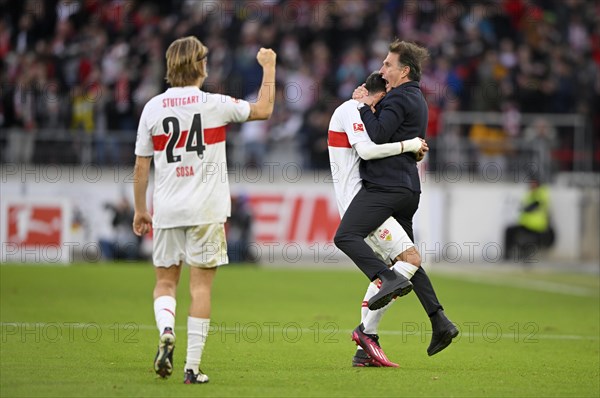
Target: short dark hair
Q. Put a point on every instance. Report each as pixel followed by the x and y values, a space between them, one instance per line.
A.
pixel 411 55
pixel 375 83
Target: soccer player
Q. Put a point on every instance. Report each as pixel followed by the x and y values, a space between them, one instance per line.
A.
pixel 391 187
pixel 349 143
pixel 183 129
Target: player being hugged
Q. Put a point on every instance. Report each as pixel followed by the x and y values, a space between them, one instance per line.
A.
pixel 183 130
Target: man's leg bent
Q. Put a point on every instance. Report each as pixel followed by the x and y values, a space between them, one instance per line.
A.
pixel 387 241
pixel 443 329
pixel 421 282
pixel 365 213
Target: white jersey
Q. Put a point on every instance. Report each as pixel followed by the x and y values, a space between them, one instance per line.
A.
pixel 184 129
pixel 346 128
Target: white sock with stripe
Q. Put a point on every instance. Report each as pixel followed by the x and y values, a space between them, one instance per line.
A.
pixel 372 289
pixel 164 312
pixel 197 333
pixel 371 319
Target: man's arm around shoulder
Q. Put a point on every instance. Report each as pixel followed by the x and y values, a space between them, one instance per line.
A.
pixel 389 117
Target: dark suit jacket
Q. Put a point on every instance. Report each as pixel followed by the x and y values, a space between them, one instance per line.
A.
pixel 401 115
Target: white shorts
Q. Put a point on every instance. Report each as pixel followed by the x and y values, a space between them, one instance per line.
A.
pixel 201 246
pixel 389 240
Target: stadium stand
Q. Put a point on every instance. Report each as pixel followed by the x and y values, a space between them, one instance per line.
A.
pixel 75 74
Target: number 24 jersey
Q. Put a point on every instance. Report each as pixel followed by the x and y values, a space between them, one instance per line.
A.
pixel 184 129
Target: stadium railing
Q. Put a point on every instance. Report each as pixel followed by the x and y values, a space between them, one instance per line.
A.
pixel 477 145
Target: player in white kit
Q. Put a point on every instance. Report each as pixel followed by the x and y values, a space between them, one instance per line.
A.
pixel 348 143
pixel 184 131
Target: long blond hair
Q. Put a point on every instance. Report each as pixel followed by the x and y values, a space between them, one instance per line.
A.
pixel 185 61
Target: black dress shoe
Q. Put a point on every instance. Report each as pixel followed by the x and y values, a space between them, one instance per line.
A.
pixel 443 333
pixel 392 284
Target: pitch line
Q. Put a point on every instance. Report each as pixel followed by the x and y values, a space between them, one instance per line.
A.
pixel 308 331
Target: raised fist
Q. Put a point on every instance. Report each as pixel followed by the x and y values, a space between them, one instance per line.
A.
pixel 266 57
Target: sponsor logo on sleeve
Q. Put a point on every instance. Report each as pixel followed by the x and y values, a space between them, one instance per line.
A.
pixel 358 128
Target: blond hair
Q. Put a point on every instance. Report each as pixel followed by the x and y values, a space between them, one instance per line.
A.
pixel 410 55
pixel 185 64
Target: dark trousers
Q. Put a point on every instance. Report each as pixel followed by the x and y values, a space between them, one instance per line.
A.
pixel 368 210
pixel 371 206
pixel 425 293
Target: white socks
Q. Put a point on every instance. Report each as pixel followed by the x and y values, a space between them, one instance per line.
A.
pixel 405 269
pixel 164 312
pixel 371 319
pixel 364 310
pixel 197 333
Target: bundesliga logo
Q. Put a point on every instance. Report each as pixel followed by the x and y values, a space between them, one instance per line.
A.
pixel 358 127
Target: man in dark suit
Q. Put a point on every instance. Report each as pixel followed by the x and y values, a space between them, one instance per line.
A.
pixel 391 187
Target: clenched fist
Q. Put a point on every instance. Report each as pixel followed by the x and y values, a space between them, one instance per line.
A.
pixel 266 57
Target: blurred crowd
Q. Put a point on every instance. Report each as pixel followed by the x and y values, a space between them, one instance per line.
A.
pixel 89 66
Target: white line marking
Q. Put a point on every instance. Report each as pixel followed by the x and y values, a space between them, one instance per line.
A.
pixel 326 333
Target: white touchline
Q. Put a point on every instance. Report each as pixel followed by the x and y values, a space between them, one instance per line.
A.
pixel 309 331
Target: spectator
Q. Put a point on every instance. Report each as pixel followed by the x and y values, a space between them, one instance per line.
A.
pixel 315 138
pixel 124 245
pixel 491 145
pixel 540 140
pixel 483 53
pixel 24 99
pixel 253 137
pixel 534 229
pixel 82 124
pixel 239 230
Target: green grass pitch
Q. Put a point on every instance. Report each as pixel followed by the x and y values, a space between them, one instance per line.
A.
pixel 88 330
